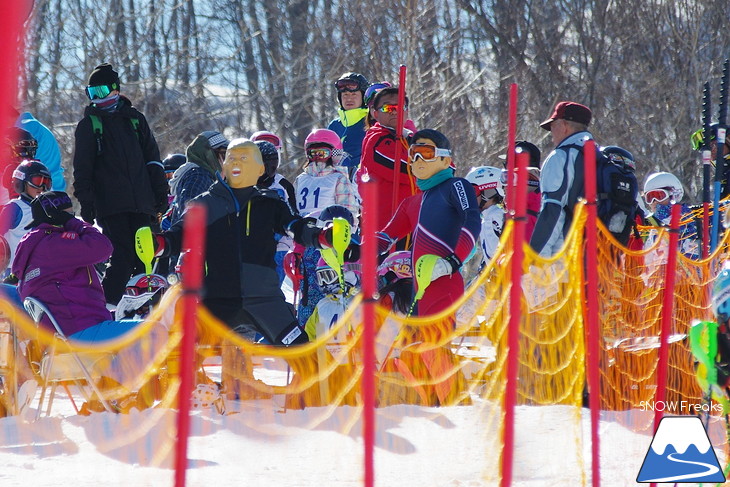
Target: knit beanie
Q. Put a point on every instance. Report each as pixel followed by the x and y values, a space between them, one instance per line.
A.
pixel 104 74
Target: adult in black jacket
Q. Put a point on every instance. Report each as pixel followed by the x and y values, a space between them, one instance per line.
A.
pixel 118 177
pixel 241 287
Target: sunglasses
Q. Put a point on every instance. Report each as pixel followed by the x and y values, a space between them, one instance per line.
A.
pixel 271 138
pixel 321 154
pixel 39 182
pixel 98 92
pixel 347 86
pixel 387 108
pixel 426 152
pixel 656 195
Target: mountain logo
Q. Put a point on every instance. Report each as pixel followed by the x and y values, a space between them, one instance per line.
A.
pixel 680 452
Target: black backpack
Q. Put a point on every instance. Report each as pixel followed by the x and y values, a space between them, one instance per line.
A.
pixel 617 190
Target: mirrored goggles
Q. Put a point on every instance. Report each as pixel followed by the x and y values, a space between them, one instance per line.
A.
pixel 98 92
pixel 320 154
pixel 326 277
pixel 656 195
pixel 388 108
pixel 347 85
pixel 426 152
pixel 39 182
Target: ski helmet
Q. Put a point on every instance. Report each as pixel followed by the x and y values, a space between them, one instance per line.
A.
pixel 333 211
pixel 531 149
pixel 619 156
pixel 323 136
pixel 665 180
pixel 270 156
pixel 144 283
pixel 395 267
pixel 32 172
pixel 267 136
pixel 372 90
pixel 172 162
pixel 721 296
pixel 486 181
pixel 351 82
pixel 22 144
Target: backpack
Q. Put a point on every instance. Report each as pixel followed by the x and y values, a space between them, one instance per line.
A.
pixel 617 190
pixel 98 129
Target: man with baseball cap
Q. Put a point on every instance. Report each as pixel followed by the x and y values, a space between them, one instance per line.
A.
pixel 562 175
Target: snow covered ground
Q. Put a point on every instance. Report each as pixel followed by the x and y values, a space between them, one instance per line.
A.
pixel 256 444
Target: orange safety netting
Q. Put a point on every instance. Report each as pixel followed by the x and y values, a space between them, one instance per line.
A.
pixel 454 360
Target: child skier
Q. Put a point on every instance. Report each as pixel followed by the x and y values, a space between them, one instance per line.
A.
pixel 490 194
pixel 29 180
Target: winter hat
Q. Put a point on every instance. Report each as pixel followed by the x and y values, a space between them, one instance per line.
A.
pixel 270 155
pixel 42 207
pixel 215 139
pixel 104 74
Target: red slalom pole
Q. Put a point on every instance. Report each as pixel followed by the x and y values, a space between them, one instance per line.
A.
pixel 369 290
pixel 519 218
pixel 192 282
pixel 11 47
pixel 511 136
pixel 400 125
pixel 670 276
pixel 592 328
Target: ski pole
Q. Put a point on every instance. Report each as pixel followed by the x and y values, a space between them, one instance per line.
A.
pixel 706 169
pixel 719 158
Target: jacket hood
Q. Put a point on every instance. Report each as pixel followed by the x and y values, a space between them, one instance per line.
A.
pixel 201 153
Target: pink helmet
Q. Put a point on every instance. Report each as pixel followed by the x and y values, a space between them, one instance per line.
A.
pixel 323 136
pixel 399 263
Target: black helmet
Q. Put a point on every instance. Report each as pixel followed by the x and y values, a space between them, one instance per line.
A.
pixel 173 161
pixel 33 172
pixel 350 82
pixel 270 156
pixel 22 144
pixel 619 156
pixel 334 211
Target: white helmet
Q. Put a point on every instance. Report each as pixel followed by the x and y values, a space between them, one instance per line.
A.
pixel 665 180
pixel 486 178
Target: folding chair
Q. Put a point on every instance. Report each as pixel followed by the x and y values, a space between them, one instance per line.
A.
pixel 79 368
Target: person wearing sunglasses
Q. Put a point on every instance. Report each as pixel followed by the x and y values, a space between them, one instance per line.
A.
pixel 698 141
pixel 661 190
pixel 29 180
pixel 349 124
pixel 378 153
pixel 119 179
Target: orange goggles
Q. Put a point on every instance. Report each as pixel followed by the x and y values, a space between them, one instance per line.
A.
pixel 426 152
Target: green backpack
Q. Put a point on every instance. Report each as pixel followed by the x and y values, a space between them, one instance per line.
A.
pixel 98 129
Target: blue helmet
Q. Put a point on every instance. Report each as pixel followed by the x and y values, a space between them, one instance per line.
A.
pixel 721 295
pixel 331 212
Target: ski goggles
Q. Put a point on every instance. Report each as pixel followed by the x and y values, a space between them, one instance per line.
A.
pixel 388 108
pixel 101 91
pixel 326 277
pixel 270 138
pixel 320 154
pixel 656 195
pixel 346 85
pixel 428 153
pixel 39 182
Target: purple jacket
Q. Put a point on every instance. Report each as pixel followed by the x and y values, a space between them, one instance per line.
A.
pixel 55 265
